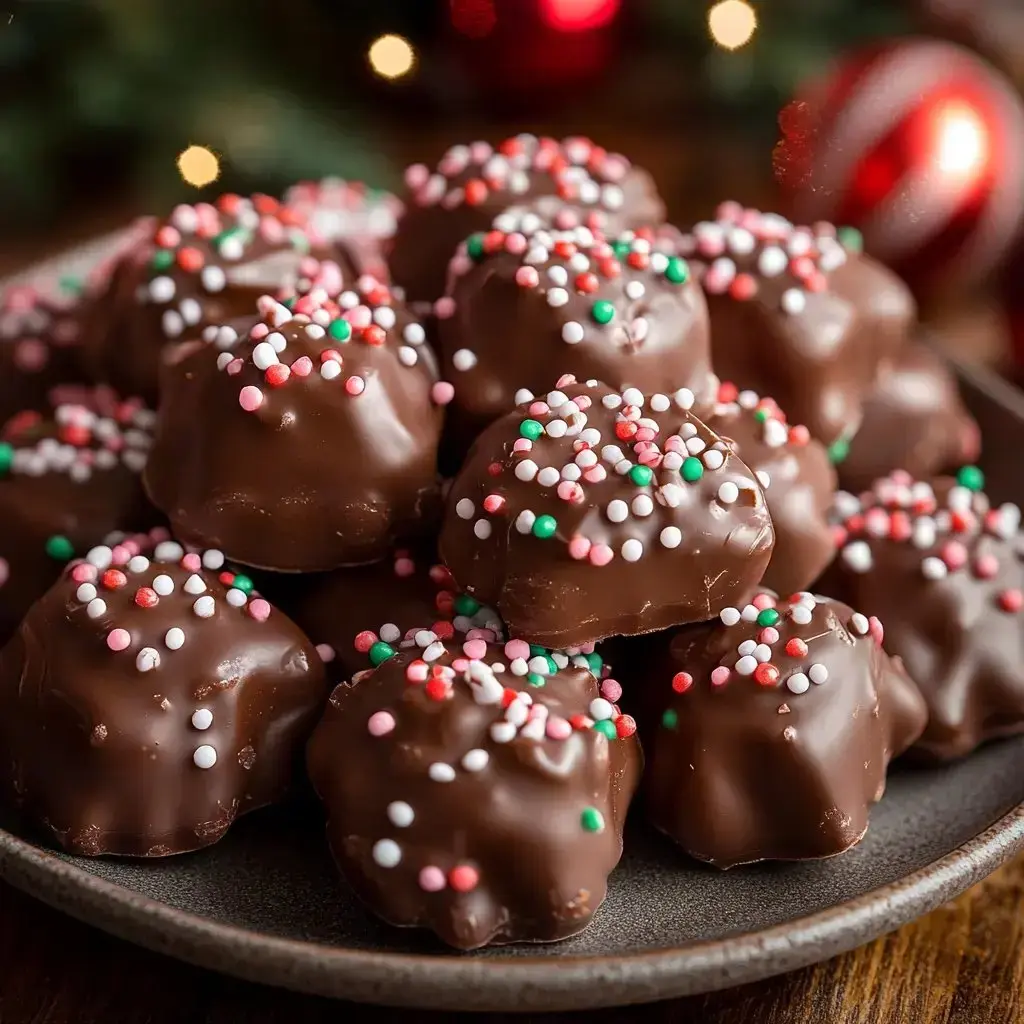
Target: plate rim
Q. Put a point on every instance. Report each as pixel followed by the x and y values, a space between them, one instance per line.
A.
pixel 458 982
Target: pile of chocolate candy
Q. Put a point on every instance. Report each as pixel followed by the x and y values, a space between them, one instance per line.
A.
pixel 456 455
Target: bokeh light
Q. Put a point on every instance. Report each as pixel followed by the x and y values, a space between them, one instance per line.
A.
pixel 962 142
pixel 578 15
pixel 198 166
pixel 732 23
pixel 391 56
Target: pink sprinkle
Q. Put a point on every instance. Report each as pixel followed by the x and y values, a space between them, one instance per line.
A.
pixel 769 635
pixel 474 649
pixel 538 408
pixel 579 547
pixel 762 601
pixel 557 728
pixel 358 316
pixel 326 652
pixel 565 380
pixel 875 630
pixel 527 277
pixel 259 609
pixel 234 367
pixel 442 392
pixel 986 566
pixel 517 649
pixel 303 366
pixel 611 690
pixel 192 562
pixel 119 639
pixel 364 640
pixel 404 567
pixel 259 332
pixel 250 398
pixel 494 503
pixel 595 474
pixel 460 664
pixel 81 573
pixel 355 385
pixel 719 676
pixel 119 554
pixel 516 243
pixel 417 671
pixel 381 723
pixel 444 307
pixel 954 554
pixel 416 176
pixel 522 444
pixel 600 554
pixel 432 879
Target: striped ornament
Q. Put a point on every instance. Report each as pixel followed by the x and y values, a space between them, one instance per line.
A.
pixel 920 144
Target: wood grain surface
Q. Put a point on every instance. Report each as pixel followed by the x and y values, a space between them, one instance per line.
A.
pixel 962 964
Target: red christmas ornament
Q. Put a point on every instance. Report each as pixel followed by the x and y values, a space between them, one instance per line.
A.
pixel 920 145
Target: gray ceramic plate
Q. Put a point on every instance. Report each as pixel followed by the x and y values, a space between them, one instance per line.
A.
pixel 266 903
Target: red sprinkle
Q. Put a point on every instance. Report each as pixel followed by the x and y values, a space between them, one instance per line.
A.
pixel 113 578
pixel 796 648
pixel 625 726
pixel 374 335
pixel 579 722
pixel 766 674
pixel 365 640
pixel 437 688
pixel 682 681
pixel 507 697
pixel 586 282
pixel 1011 600
pixel 190 260
pixel 476 192
pixel 463 878
pixel 277 375
pixel 146 597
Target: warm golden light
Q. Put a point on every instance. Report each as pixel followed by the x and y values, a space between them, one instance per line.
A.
pixel 198 165
pixel 963 143
pixel 391 56
pixel 732 23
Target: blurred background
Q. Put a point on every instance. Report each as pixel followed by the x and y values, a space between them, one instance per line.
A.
pixel 851 110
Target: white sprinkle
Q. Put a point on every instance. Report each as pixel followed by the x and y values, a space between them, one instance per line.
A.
pixel 400 814
pixel 191 311
pixel 923 535
pixel 138 563
pixel 635 290
pixel 818 673
pixel 632 550
pixel 617 510
pixel 763 478
pixel 728 493
pixel 933 568
pixel 772 261
pixel 384 316
pixel 557 297
pixel 441 772
pixel 205 607
pixel 205 756
pixel 538 664
pixel 558 275
pixel 464 359
pixel 503 732
pixel 601 709
pixel 794 301
pixel 96 607
pixel 556 428
pixel 750 613
pixel 85 593
pixel 859 624
pixel 747 647
pixel 548 476
pixel 213 278
pixel 633 396
pixel 671 537
pixel 522 396
pixel 572 332
pixel 475 760
pixel 798 682
pixel 236 598
pixel 148 658
pixel 202 719
pixel 729 616
pixel 642 505
pixel 526 470
pixel 464 508
pixel 801 614
pixel 433 652
pixel 161 289
pixel 684 398
pixel 519 667
pixel 482 529
pixel 414 334
pixel 762 653
pixel 390 632
pixel 525 521
pixel 746 665
pixel 174 638
pixel 194 584
pixel 168 551
pixel 408 356
pixel 713 458
pixel 857 556
pixel 264 356
pixel 100 556
pixel 330 369
pixel 213 559
pixel 387 853
pixel 163 585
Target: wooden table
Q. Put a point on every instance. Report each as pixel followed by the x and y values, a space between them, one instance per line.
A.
pixel 962 964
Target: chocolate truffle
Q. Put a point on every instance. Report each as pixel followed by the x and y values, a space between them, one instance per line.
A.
pixel 476 788
pixel 145 704
pixel 798 481
pixel 590 513
pixel 943 571
pixel 521 311
pixel 67 480
pixel 572 180
pixel 303 440
pixel 914 420
pixel 798 313
pixel 202 266
pixel 39 335
pixel 775 728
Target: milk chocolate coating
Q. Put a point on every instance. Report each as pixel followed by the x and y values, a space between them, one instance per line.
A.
pixel 914 420
pixel 457 806
pixel 154 748
pixel 943 572
pixel 301 441
pixel 798 314
pixel 572 539
pixel 740 769
pixel 473 184
pixel 202 266
pixel 39 345
pixel 797 478
pixel 522 311
pixel 67 480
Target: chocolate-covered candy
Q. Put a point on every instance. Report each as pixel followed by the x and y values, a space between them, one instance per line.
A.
pixel 914 420
pixel 520 311
pixel 476 790
pixel 39 345
pixel 943 571
pixel 774 730
pixel 589 513
pixel 67 480
pixel 146 704
pixel 202 266
pixel 561 181
pixel 304 440
pixel 798 313
pixel 798 480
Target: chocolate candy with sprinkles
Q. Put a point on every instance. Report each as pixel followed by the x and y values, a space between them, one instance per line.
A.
pixel 942 569
pixel 204 265
pixel 773 730
pixel 914 420
pixel 565 183
pixel 798 313
pixel 148 700
pixel 798 480
pixel 522 309
pixel 589 512
pixel 39 344
pixel 476 788
pixel 304 439
pixel 67 480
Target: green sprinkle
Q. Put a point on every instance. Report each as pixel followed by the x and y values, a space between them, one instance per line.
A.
pixel 59 548
pixel 475 247
pixel 678 270
pixel 596 662
pixel 531 429
pixel 300 241
pixel 466 605
pixel 670 719
pixel 607 728
pixel 163 259
pixel 592 820
pixel 535 679
pixel 544 527
pixel 838 450
pixel 552 667
pixel 380 652
pixel 536 651
pixel 761 415
pixel 641 475
pixel 621 248
pixel 851 238
pixel 693 469
pixel 602 311
pixel 6 458
pixel 71 285
pixel 767 617
pixel 340 330
pixel 289 303
pixel 970 477
pixel 243 583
